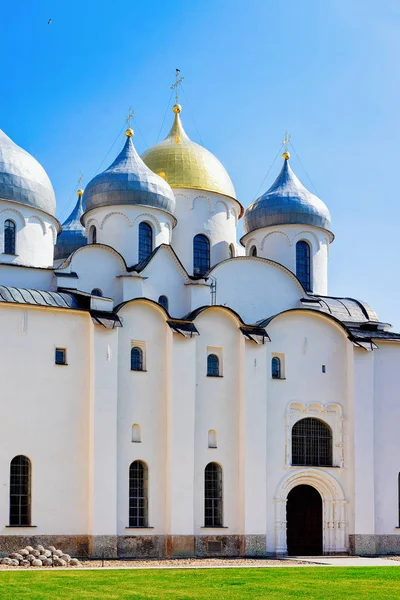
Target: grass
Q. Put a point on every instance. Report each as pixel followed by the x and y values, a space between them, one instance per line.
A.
pixel 310 583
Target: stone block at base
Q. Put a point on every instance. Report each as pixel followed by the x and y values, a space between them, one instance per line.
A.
pixel 180 546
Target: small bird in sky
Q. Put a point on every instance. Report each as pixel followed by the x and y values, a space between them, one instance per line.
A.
pixel 48 22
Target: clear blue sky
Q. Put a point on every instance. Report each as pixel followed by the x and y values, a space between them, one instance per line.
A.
pixel 325 70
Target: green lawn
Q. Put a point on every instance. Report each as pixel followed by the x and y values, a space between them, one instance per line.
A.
pixel 310 583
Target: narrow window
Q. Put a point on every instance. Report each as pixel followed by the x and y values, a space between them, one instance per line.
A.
pixel 93 235
pixel 163 300
pixel 212 438
pixel 311 443
pixel 324 368
pixel 201 255
pixel 145 241
pixel 232 252
pixel 213 495
pixel 97 292
pixel 303 266
pixel 136 359
pixel 61 356
pixel 276 367
pixel 253 251
pixel 9 237
pixel 212 365
pixel 136 436
pixel 20 491
pixel 138 494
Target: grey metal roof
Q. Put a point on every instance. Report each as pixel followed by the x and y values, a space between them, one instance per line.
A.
pixel 72 235
pixel 347 310
pixel 128 181
pixel 286 202
pixel 23 179
pixel 37 297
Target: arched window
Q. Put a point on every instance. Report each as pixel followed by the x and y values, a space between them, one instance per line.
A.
pixel 212 365
pixel 201 254
pixel 136 435
pixel 136 359
pixel 20 491
pixel 303 266
pixel 93 235
pixel 311 443
pixel 276 367
pixel 163 300
pixel 145 241
pixel 138 494
pixel 97 292
pixel 253 251
pixel 232 252
pixel 212 438
pixel 213 495
pixel 9 237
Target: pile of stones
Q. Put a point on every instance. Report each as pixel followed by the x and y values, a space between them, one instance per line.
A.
pixel 39 557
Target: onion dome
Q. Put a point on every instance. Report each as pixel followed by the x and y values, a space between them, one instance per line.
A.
pixel 128 181
pixel 185 164
pixel 23 179
pixel 286 202
pixel 72 235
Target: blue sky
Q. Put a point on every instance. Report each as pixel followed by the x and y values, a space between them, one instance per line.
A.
pixel 327 71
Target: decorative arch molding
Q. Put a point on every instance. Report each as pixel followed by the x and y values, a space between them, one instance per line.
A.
pixel 148 217
pixel 331 414
pixel 169 228
pixel 278 231
pixel 53 233
pixel 15 212
pixel 187 198
pixel 226 207
pixel 115 212
pixel 90 248
pixel 209 200
pixel 333 509
pixel 40 221
pixel 306 232
pixel 91 221
pixel 252 242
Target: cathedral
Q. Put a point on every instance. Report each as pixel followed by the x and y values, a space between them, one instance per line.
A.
pixel 171 391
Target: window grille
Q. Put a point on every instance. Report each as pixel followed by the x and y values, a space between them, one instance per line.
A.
pixel 276 368
pixel 303 267
pixel 212 365
pixel 201 254
pixel 163 300
pixel 136 359
pixel 97 292
pixel 145 241
pixel 20 491
pixel 213 495
pixel 61 356
pixel 253 251
pixel 138 494
pixel 9 237
pixel 311 443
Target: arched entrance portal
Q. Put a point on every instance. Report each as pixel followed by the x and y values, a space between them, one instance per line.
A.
pixel 304 521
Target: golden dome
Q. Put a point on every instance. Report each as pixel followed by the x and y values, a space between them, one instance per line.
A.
pixel 185 164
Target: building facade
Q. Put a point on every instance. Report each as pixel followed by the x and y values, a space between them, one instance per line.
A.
pixel 168 391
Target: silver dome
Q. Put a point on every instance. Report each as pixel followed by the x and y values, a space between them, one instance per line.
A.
pixel 23 179
pixel 72 235
pixel 286 202
pixel 128 181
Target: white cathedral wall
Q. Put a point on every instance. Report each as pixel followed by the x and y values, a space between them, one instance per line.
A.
pixel 118 227
pixel 279 244
pixel 36 234
pixel 27 277
pixel 46 411
pixel 208 213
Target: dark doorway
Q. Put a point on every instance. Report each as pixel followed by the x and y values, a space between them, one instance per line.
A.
pixel 304 521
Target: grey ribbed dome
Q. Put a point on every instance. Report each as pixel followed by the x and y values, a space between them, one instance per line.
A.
pixel 128 181
pixel 23 179
pixel 72 235
pixel 286 202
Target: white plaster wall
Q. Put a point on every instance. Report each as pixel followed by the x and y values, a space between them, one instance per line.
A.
pixel 256 289
pixel 27 277
pixel 279 244
pixel 117 226
pixel 208 213
pixel 36 234
pixel 45 411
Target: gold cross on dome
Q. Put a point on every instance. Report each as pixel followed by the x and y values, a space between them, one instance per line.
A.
pixel 286 140
pixel 175 86
pixel 80 179
pixel 129 117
